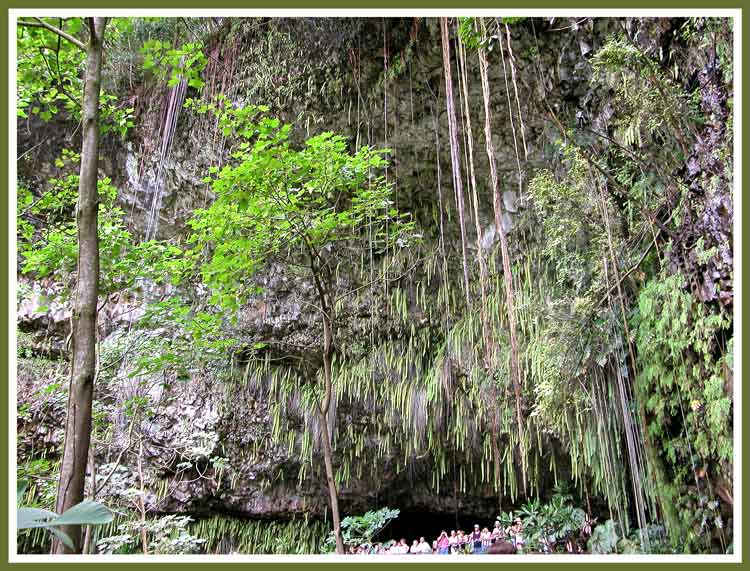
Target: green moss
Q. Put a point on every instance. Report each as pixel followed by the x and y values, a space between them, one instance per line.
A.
pixel 684 354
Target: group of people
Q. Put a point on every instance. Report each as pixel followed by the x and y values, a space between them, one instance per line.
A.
pixel 457 542
pixel 478 541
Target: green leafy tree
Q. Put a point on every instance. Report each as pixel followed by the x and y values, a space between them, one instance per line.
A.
pixel 301 205
pixel 185 62
pixel 52 250
pixel 50 72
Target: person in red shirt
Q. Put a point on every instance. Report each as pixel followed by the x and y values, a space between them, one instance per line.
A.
pixel 443 543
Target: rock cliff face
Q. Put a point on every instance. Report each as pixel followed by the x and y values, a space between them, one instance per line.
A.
pixel 206 446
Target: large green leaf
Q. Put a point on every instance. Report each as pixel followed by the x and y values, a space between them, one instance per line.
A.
pixel 85 513
pixel 28 518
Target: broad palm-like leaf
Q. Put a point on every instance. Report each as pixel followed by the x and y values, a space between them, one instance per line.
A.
pixel 85 513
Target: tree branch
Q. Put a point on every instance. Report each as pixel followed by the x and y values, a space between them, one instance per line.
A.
pixel 42 24
pixel 60 85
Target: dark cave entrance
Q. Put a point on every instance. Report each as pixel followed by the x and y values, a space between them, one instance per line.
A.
pixel 412 525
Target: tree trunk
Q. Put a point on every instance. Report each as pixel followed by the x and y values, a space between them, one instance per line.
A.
pixel 324 407
pixel 509 305
pixel 83 363
pixel 331 481
pixel 327 449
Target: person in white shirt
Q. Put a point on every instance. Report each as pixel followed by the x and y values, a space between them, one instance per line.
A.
pixel 401 548
pixel 414 549
pixel 497 533
pixel 453 541
pixel 423 546
pixel 486 539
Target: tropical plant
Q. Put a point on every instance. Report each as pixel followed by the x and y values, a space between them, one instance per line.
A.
pixel 360 530
pixel 166 535
pixel 604 538
pixel 657 541
pixel 84 513
pixel 557 522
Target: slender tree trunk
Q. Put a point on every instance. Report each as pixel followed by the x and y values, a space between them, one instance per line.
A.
pixel 325 406
pixel 327 437
pixel 88 536
pixel 497 200
pixel 331 481
pixel 455 158
pixel 78 421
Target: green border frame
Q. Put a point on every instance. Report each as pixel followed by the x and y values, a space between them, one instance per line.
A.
pixel 5 255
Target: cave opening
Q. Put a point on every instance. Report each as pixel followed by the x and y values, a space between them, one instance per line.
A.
pixel 412 525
